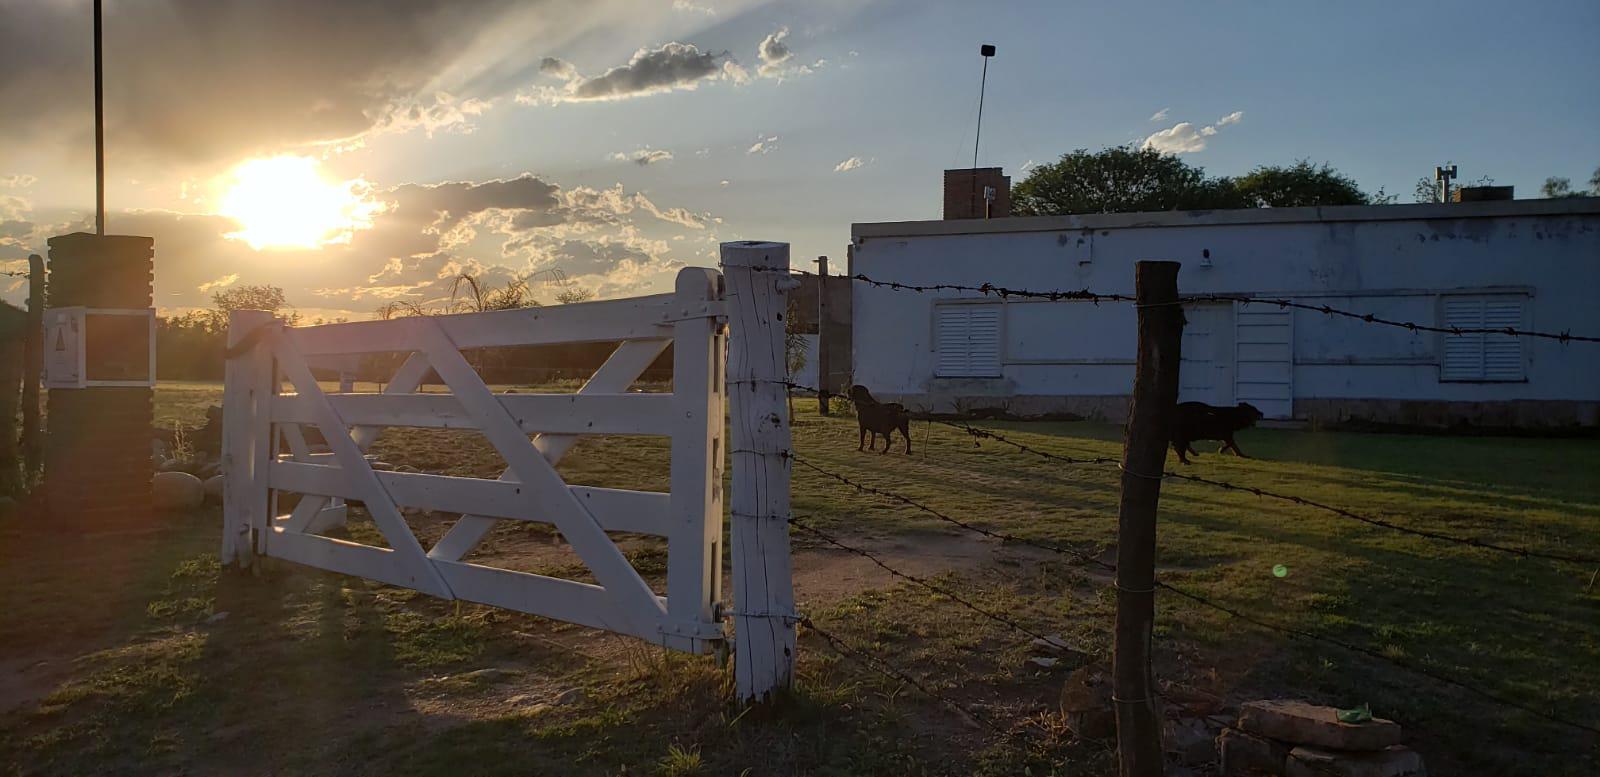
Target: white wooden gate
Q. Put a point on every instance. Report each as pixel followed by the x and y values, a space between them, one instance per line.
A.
pixel 259 420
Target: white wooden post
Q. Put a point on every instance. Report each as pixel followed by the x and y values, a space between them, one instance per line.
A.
pixel 694 534
pixel 764 615
pixel 246 435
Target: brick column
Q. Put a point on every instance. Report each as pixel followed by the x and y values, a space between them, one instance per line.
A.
pixel 97 451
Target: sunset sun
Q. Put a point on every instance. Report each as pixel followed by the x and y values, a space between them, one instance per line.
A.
pixel 286 202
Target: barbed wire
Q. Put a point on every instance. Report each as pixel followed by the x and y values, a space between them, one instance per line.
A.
pixel 979 433
pixel 1291 631
pixel 938 589
pixel 1088 295
pixel 884 668
pixel 990 533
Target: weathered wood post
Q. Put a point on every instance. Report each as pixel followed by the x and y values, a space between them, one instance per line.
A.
pixel 764 616
pixel 33 374
pixel 822 335
pixel 1155 393
pixel 248 385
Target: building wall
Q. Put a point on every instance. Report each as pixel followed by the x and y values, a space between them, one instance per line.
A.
pixel 1401 262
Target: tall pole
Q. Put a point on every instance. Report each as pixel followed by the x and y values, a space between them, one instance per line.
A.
pixel 986 51
pixel 976 136
pixel 33 372
pixel 822 335
pixel 99 132
pixel 1155 394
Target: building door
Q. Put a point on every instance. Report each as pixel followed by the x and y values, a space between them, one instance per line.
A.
pixel 1206 371
pixel 1265 360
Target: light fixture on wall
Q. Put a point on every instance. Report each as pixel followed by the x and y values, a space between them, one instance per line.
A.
pixel 1205 257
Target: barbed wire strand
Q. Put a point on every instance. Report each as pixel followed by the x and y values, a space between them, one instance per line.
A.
pixel 938 589
pixel 884 668
pixel 1087 295
pixel 1524 552
pixel 1290 631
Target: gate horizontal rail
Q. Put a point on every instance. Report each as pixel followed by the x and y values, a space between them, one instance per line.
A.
pixel 261 422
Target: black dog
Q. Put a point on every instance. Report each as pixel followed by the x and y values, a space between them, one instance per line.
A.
pixel 1200 421
pixel 879 418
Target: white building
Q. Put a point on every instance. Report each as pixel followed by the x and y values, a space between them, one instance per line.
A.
pixel 1530 264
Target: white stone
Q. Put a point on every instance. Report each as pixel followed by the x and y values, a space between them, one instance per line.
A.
pixel 177 491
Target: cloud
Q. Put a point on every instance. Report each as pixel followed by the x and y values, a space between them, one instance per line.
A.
pixel 198 82
pixel 439 112
pixel 671 67
pixel 687 6
pixel 848 165
pixel 773 52
pixel 1182 138
pixel 18 181
pixel 220 283
pixel 1160 115
pixel 1185 138
pixel 777 59
pixel 644 156
pixel 763 145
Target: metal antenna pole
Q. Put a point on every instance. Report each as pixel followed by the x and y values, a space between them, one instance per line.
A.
pixel 979 134
pixel 99 133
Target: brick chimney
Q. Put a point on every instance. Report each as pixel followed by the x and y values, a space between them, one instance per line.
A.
pixel 977 193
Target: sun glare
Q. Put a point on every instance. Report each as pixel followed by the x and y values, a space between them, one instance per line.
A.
pixel 285 202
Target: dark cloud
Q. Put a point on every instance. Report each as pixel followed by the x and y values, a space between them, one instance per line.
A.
pixel 672 66
pixel 197 80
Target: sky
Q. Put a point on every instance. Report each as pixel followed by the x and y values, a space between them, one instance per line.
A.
pixel 366 151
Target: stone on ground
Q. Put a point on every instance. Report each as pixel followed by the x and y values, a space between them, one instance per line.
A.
pixel 1189 741
pixel 1086 703
pixel 213 489
pixel 177 491
pixel 1303 723
pixel 1396 761
pixel 1247 755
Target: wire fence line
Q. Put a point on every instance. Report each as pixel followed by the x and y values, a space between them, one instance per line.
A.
pixel 925 583
pixel 1088 295
pixel 1230 610
pixel 886 669
pixel 979 433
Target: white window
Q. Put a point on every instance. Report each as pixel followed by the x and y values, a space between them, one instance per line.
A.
pixel 1483 357
pixel 968 341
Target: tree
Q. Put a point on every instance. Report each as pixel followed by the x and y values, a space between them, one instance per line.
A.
pixel 1562 187
pixel 572 294
pixel 1425 191
pixel 1121 179
pixel 1299 185
pixel 1125 179
pixel 1558 187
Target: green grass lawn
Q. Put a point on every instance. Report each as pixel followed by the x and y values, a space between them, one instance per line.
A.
pixel 313 673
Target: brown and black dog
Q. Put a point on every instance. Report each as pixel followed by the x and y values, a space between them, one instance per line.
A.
pixel 879 418
pixel 1200 421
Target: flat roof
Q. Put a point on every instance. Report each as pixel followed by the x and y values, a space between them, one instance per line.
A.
pixel 1565 206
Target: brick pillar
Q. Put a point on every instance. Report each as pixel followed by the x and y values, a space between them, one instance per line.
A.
pixel 97 451
pixel 964 193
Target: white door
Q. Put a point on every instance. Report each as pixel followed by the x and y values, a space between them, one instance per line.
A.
pixel 1206 372
pixel 1264 374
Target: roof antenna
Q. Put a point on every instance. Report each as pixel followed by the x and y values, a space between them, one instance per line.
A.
pixel 987 51
pixel 99 133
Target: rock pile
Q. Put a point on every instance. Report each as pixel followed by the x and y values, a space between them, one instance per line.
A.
pixel 1284 738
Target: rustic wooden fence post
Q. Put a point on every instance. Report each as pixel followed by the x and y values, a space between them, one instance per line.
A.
pixel 33 375
pixel 764 615
pixel 1155 393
